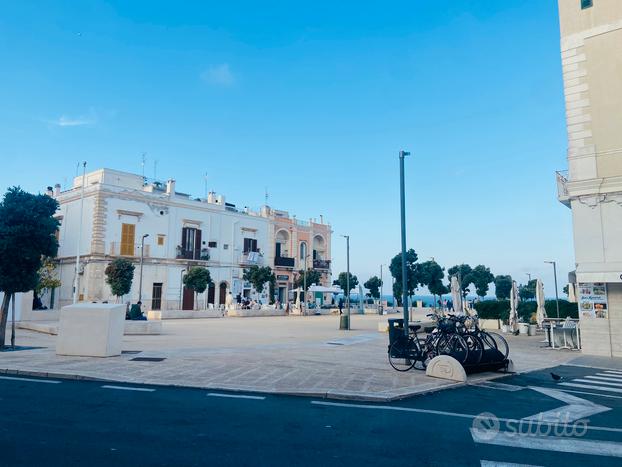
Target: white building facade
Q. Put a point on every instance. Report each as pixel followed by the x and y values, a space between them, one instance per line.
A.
pixel 591 50
pixel 181 232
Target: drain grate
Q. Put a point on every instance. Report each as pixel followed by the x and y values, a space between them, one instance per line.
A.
pixel 147 359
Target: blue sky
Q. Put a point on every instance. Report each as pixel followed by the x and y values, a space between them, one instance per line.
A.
pixel 312 100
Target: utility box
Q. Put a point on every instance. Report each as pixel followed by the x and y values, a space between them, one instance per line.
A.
pixel 91 330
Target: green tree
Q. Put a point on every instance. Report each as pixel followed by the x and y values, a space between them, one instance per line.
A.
pixel 27 229
pixel 464 273
pixel 412 274
pixel 373 284
pixel 46 278
pixel 197 279
pixel 565 290
pixel 503 287
pixel 313 277
pixel 481 277
pixel 528 291
pixel 119 276
pixel 258 276
pixel 342 281
pixel 431 276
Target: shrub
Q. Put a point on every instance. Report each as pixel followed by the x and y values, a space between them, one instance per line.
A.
pixel 493 309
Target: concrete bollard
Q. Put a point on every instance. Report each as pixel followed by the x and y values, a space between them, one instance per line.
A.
pixel 446 367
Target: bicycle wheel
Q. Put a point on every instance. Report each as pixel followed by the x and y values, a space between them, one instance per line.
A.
pixel 403 354
pixel 476 348
pixel 495 341
pixel 453 345
pixel 424 355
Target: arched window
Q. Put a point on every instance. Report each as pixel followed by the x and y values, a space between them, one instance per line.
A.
pixel 303 250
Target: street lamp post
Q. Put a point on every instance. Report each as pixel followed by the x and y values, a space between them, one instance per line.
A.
pixel 403 154
pixel 304 285
pixel 380 304
pixel 140 275
pixel 347 292
pixel 181 287
pixel 529 276
pixel 555 278
pixel 76 280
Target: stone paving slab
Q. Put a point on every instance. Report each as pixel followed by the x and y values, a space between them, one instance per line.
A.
pixel 280 355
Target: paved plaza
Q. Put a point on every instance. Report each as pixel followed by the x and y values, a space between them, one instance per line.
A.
pixel 283 355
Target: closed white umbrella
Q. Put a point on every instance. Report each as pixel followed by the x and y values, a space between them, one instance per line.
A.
pixel 572 292
pixel 541 311
pixel 513 306
pixel 456 295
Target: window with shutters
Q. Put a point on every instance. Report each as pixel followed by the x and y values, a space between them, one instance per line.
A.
pixel 128 232
pixel 161 238
pixel 250 244
pixel 191 243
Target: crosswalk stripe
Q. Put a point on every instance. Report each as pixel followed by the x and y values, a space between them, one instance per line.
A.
pixel 603 378
pixel 591 386
pixel 549 443
pixel 30 380
pixel 589 381
pixel 614 372
pixel 485 463
pixel 235 396
pixel 610 375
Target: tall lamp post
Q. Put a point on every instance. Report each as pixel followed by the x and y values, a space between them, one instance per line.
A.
pixel 555 277
pixel 529 276
pixel 403 154
pixel 140 275
pixel 380 309
pixel 304 285
pixel 181 287
pixel 76 280
pixel 347 292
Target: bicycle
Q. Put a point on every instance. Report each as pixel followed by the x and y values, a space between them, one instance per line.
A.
pixel 409 351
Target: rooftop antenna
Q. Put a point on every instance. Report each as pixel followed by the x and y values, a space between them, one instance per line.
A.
pixel 155 170
pixel 266 195
pixel 144 159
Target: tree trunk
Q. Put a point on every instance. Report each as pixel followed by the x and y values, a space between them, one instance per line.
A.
pixel 4 313
pixel 13 321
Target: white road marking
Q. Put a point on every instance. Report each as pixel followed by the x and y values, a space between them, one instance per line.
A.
pixel 128 388
pixel 504 464
pixel 551 443
pixel 606 376
pixel 591 386
pixel 609 396
pixel 236 396
pixel 452 414
pixel 576 408
pixel 615 372
pixel 592 381
pixel 499 386
pixel 31 380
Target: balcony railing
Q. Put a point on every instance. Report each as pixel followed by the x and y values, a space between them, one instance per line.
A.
pixel 321 264
pixel 251 258
pixel 115 250
pixel 562 186
pixel 284 262
pixel 202 255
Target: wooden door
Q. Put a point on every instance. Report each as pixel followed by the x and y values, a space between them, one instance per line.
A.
pixel 188 299
pixel 222 293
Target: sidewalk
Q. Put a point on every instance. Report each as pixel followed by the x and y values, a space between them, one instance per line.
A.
pixel 286 355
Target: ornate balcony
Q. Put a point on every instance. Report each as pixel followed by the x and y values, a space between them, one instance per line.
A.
pixel 321 264
pixel 284 262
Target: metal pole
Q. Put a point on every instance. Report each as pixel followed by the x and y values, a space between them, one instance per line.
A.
pixel 181 287
pixel 140 280
pixel 76 281
pixel 556 294
pixel 13 321
pixel 348 277
pixel 380 305
pixel 403 223
pixel 304 288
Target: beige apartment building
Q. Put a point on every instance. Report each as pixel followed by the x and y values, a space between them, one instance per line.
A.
pixel 591 51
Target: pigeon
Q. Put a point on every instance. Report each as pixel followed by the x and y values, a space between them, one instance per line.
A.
pixel 517 332
pixel 556 377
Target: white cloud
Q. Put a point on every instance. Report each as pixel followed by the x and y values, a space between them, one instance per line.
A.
pixel 219 75
pixel 81 120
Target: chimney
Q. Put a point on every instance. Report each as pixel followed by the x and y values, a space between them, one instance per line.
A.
pixel 49 191
pixel 57 190
pixel 170 187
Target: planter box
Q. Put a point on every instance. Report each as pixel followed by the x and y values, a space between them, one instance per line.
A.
pixel 182 314
pixel 492 324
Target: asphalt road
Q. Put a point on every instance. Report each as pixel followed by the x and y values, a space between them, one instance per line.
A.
pixel 61 423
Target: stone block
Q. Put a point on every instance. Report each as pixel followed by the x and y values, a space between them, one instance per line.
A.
pixel 446 367
pixel 91 330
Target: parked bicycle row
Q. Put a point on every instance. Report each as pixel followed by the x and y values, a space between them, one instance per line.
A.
pixel 455 335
